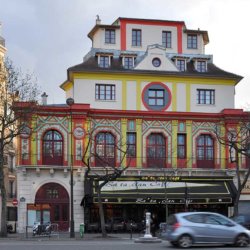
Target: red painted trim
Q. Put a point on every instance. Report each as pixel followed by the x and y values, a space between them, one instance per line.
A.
pixel 179 39
pixel 123 35
pixel 165 87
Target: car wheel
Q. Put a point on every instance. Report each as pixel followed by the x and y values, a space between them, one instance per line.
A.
pixel 173 243
pixel 242 241
pixel 185 241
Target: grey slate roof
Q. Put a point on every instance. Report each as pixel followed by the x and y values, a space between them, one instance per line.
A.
pixel 91 65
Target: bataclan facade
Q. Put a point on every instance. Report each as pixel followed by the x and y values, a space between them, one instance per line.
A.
pixel 146 86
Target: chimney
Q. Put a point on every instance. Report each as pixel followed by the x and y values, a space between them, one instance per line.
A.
pixel 44 98
pixel 98 20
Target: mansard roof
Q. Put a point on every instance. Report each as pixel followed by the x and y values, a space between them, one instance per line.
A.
pixel 90 64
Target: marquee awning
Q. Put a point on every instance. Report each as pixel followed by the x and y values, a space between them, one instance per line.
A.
pixel 161 190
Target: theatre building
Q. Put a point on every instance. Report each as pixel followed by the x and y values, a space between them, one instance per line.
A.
pixel 147 88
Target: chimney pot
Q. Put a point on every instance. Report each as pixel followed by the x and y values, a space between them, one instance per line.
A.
pixel 44 98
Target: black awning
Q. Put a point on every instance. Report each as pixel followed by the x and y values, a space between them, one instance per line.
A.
pixel 181 191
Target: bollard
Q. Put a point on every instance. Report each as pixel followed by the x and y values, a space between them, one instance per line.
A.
pixel 81 230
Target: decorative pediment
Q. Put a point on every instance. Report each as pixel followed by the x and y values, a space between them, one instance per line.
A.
pixel 155 59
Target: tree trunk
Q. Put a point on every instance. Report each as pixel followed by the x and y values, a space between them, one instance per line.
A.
pixel 101 212
pixel 3 232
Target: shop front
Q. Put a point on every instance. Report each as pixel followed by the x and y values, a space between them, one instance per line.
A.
pixel 130 197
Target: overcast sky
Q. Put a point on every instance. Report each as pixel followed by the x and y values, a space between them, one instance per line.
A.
pixel 48 36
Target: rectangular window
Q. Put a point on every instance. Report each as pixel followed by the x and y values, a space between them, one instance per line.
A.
pixel 205 96
pixel 110 36
pixel 136 37
pixel 201 66
pixel 11 189
pixel 104 92
pixel 128 62
pixel 192 41
pixel 104 62
pixel 181 65
pixel 166 39
pixel 131 125
pixel 131 145
pixel 11 163
pixel 156 97
pixel 181 146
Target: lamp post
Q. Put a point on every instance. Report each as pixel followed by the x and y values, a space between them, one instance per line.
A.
pixel 70 102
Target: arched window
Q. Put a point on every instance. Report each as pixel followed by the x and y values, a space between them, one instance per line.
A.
pixel 205 151
pixel 105 149
pixel 156 151
pixel 52 148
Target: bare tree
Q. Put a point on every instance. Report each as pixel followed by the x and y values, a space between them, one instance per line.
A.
pixel 109 171
pixel 15 88
pixel 238 142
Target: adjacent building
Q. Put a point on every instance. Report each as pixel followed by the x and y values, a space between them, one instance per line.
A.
pixel 146 88
pixel 9 171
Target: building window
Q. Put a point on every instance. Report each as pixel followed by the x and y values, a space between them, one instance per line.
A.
pixel 166 39
pixel 52 148
pixel 128 62
pixel 192 41
pixel 105 149
pixel 131 145
pixel 205 151
pixel 131 125
pixel 110 36
pixel 181 146
pixel 156 150
pixel 104 92
pixel 104 61
pixel 11 189
pixel 156 62
pixel 136 37
pixel 205 96
pixel 181 64
pixel 201 66
pixel 11 163
pixel 156 97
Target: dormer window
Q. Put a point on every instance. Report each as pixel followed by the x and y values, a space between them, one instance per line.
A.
pixel 201 66
pixel 192 41
pixel 109 36
pixel 104 59
pixel 128 62
pixel 181 64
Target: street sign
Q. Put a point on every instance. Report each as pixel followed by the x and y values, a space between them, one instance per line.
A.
pixel 15 202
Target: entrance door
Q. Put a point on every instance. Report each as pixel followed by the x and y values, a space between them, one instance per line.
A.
pixel 57 197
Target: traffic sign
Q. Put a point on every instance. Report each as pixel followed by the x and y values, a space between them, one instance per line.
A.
pixel 15 202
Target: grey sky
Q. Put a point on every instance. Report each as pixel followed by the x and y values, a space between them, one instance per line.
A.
pixel 48 36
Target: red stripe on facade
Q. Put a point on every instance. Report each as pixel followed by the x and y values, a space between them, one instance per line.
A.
pixel 179 38
pixel 123 35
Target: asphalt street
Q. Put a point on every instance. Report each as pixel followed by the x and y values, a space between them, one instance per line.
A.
pixel 117 243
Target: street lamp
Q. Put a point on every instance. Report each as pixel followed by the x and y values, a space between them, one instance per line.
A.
pixel 70 102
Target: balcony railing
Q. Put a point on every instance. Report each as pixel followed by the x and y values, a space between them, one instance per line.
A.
pixel 142 162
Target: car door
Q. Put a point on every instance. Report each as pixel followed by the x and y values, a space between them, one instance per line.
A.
pixel 197 227
pixel 219 229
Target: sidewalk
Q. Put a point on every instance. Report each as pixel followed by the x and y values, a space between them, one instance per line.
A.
pixel 66 236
